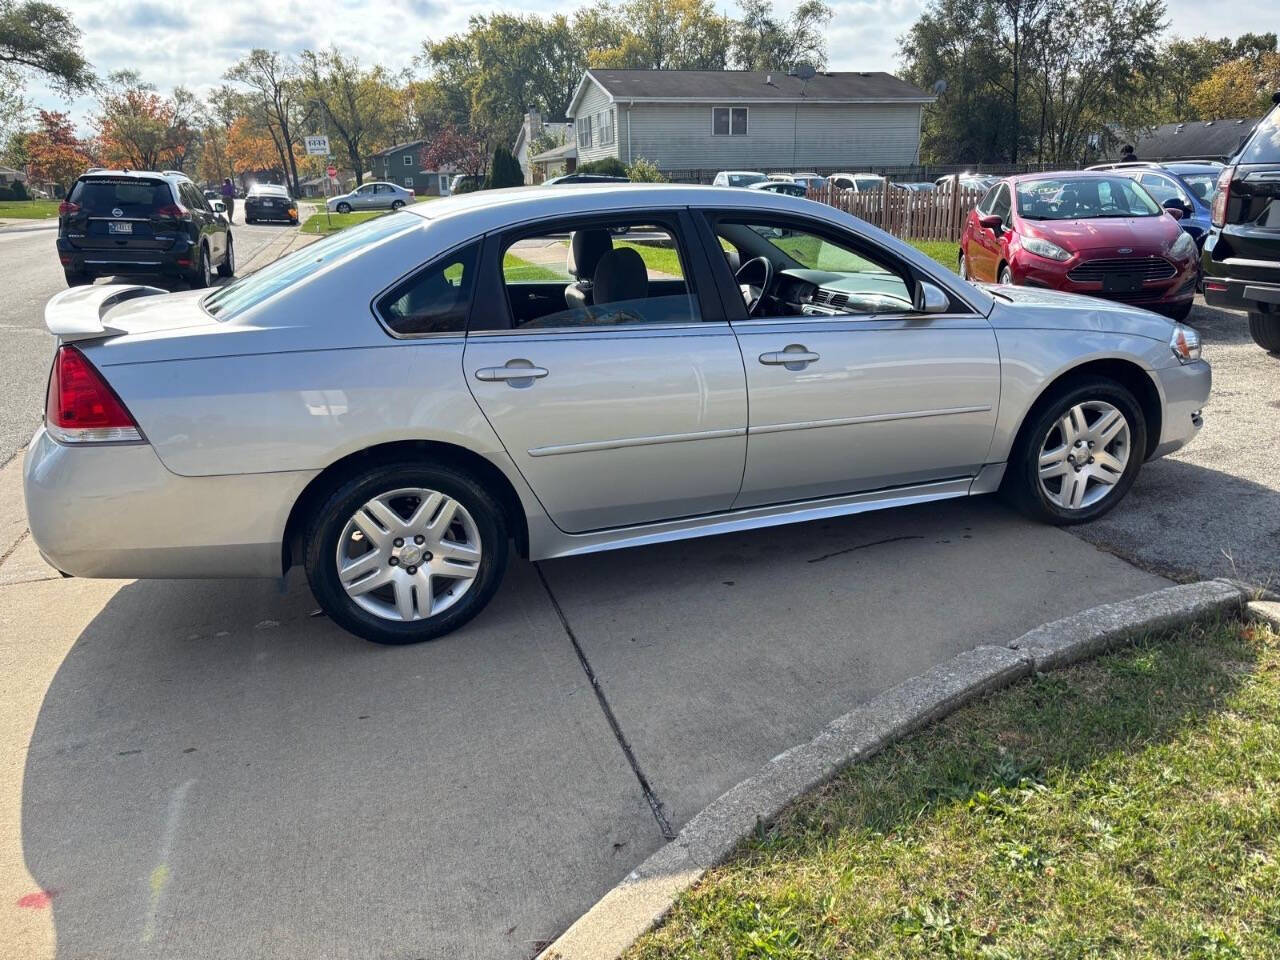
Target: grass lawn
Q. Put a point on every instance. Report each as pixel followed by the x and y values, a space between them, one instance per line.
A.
pixel 518 270
pixel 317 223
pixel 944 251
pixel 1127 807
pixel 28 209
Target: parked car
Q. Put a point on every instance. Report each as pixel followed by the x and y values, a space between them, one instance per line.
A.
pixel 1192 185
pixel 1095 233
pixel 968 181
pixel 269 201
pixel 584 178
pixel 395 405
pixel 140 222
pixel 780 186
pixel 857 182
pixel 810 181
pixel 372 196
pixel 915 187
pixel 1241 259
pixel 738 178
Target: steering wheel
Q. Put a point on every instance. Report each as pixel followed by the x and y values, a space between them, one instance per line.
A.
pixel 751 293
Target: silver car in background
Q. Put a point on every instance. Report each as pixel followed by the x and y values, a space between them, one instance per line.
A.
pixel 372 196
pixel 399 404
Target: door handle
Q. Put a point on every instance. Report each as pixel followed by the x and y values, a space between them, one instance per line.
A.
pixel 794 357
pixel 513 371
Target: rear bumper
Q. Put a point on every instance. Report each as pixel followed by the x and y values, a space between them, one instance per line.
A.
pixel 258 212
pixel 121 261
pixel 1185 388
pixel 114 510
pixel 1252 295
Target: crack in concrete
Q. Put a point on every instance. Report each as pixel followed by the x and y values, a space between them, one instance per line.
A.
pixel 864 546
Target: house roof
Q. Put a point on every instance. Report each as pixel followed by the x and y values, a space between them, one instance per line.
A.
pixel 750 86
pixel 12 173
pixel 398 147
pixel 1198 139
pixel 567 152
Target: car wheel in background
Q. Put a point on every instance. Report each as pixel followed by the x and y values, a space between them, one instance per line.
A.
pixel 1265 330
pixel 406 552
pixel 77 279
pixel 228 266
pixel 1078 453
pixel 1178 311
pixel 397 204
pixel 203 275
pixel 1006 275
pixel 344 208
pixel 963 268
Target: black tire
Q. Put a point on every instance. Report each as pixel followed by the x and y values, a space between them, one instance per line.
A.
pixel 227 268
pixel 1006 275
pixel 77 279
pixel 344 208
pixel 1265 330
pixel 1022 481
pixel 962 267
pixel 397 204
pixel 1179 311
pixel 200 277
pixel 331 517
pixel 249 219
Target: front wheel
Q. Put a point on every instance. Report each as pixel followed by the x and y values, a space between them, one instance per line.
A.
pixel 963 267
pixel 1265 330
pixel 397 204
pixel 1079 454
pixel 1006 275
pixel 344 208
pixel 406 552
pixel 1178 311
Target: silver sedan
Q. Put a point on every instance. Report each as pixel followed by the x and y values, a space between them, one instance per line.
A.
pixel 372 196
pixel 560 372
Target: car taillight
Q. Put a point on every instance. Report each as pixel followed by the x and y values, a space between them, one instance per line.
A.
pixel 172 211
pixel 67 209
pixel 1218 213
pixel 80 406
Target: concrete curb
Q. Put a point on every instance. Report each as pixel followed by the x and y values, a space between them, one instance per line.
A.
pixel 646 894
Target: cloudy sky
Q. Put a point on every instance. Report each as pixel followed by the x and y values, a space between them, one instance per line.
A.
pixel 171 46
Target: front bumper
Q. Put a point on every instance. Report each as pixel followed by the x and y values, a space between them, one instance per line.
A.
pixel 1173 291
pixel 173 260
pixel 1185 388
pixel 114 510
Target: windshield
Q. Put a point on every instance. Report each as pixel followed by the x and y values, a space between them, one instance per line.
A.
pixel 1083 198
pixel 745 179
pixel 1263 145
pixel 1203 185
pixel 233 299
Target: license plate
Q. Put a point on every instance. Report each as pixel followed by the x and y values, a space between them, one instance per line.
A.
pixel 114 227
pixel 1122 283
pixel 268 203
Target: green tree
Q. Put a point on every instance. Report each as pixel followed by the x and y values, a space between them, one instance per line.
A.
pixel 1238 88
pixel 605 167
pixel 641 170
pixel 276 101
pixel 764 41
pixel 356 105
pixel 39 38
pixel 670 35
pixel 504 170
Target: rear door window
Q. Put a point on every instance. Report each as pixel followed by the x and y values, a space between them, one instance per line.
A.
pixel 1264 144
pixel 134 198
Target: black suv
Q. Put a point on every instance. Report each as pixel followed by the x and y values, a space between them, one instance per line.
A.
pixel 117 222
pixel 1241 256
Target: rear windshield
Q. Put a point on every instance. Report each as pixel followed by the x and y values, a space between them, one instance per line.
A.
pixel 132 197
pixel 233 299
pixel 1264 145
pixel 745 179
pixel 1084 198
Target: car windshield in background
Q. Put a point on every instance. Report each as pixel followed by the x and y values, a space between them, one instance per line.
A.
pixel 1083 198
pixel 1203 185
pixel 233 299
pixel 134 198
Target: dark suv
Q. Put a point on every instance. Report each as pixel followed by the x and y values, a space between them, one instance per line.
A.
pixel 267 201
pixel 118 222
pixel 1241 257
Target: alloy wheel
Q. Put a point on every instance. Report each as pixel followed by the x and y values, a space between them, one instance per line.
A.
pixel 409 554
pixel 1084 455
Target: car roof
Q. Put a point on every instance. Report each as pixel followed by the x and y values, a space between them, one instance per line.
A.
pixel 135 174
pixel 1058 174
pixel 735 173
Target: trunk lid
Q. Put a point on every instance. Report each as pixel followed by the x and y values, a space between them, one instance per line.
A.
pixel 114 310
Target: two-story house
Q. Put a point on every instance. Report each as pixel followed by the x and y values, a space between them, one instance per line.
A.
pixel 402 165
pixel 706 120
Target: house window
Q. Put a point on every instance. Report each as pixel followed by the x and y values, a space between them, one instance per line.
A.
pixel 444 183
pixel 408 160
pixel 408 181
pixel 604 124
pixel 729 121
pixel 584 132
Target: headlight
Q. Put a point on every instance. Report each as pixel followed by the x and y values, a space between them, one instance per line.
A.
pixel 1185 342
pixel 1184 246
pixel 1043 248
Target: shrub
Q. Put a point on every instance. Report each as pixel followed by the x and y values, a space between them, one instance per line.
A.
pixel 605 167
pixel 505 170
pixel 645 171
pixel 18 191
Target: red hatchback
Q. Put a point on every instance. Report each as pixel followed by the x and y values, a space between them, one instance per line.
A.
pixel 1092 233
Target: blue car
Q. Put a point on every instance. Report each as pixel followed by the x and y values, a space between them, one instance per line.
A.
pixel 1189 184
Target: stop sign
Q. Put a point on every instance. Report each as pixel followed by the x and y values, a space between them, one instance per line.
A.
pixel 332 171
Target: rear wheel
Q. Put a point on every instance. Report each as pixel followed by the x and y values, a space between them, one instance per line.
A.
pixel 406 552
pixel 344 208
pixel 1079 454
pixel 228 266
pixel 203 275
pixel 1265 330
pixel 397 204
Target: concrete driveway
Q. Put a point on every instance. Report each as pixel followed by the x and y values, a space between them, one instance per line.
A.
pixel 209 770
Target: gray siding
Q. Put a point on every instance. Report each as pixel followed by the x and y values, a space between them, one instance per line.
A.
pixel 678 136
pixel 595 100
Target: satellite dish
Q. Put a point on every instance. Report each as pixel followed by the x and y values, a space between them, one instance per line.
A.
pixel 940 88
pixel 804 71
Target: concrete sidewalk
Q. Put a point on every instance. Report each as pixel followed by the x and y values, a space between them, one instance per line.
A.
pixel 209 769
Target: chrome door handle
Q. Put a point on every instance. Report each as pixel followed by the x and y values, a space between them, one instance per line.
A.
pixel 514 370
pixel 794 356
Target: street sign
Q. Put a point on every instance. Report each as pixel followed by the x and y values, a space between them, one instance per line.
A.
pixel 332 172
pixel 317 146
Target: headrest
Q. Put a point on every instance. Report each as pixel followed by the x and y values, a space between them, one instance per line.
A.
pixel 586 247
pixel 620 275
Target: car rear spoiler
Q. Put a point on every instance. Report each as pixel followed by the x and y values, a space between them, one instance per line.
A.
pixel 77 313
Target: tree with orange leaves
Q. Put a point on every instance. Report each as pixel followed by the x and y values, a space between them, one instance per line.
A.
pixel 250 149
pixel 53 150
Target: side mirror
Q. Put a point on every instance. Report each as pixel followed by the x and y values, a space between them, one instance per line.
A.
pixel 219 207
pixel 931 299
pixel 992 222
pixel 1173 207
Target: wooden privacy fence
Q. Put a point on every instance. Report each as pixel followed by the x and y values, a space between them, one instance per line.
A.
pixel 937 215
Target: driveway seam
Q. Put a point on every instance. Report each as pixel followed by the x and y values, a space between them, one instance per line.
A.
pixel 650 796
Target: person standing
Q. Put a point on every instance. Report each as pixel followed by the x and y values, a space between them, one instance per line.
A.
pixel 1127 154
pixel 229 197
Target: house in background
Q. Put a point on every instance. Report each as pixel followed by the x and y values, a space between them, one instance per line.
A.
pixel 402 165
pixel 553 163
pixel 1193 140
pixel 530 130
pixel 692 121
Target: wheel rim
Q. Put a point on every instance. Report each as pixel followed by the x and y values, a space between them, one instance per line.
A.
pixel 231 256
pixel 206 271
pixel 1084 455
pixel 964 268
pixel 1006 277
pixel 409 554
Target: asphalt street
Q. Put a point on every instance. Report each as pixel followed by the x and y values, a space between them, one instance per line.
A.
pixel 29 275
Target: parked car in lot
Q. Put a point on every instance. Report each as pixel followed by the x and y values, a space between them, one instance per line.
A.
pixel 584 178
pixel 269 201
pixel 967 181
pixel 395 405
pixel 915 187
pixel 1191 185
pixel 857 182
pixel 1241 259
pixel 737 178
pixel 1094 233
pixel 810 181
pixel 372 196
pixel 140 222
pixel 780 186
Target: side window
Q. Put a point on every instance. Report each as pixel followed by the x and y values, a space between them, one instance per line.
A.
pixel 434 300
pixel 985 204
pixel 1000 206
pixel 598 274
pixel 191 197
pixel 1160 188
pixel 814 271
